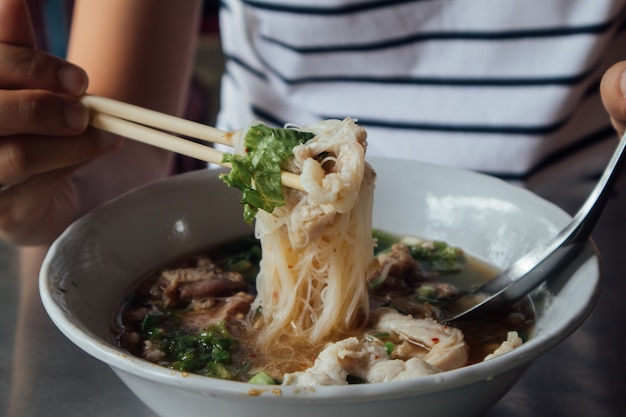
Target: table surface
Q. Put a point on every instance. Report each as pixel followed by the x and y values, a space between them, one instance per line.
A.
pixel 43 374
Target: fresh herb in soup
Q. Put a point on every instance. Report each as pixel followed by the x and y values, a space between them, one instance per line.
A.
pixel 196 317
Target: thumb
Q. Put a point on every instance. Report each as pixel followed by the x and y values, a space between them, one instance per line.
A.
pixel 613 91
pixel 16 26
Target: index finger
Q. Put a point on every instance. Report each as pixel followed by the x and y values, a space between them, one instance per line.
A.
pixel 27 68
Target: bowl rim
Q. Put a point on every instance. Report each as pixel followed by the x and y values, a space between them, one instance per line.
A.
pixel 125 362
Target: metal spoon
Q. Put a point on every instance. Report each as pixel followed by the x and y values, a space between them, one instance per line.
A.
pixel 532 269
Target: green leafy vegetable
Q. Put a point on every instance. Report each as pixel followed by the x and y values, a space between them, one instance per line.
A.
pixel 390 347
pixel 243 256
pixel 257 173
pixel 207 352
pixel 441 256
pixel 432 255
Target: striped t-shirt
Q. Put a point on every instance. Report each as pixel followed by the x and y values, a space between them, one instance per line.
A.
pixel 505 87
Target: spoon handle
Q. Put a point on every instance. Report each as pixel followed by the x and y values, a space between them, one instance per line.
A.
pixel 529 271
pixel 587 216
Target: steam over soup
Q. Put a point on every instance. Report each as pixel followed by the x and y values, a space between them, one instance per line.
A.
pixel 197 316
pixel 314 298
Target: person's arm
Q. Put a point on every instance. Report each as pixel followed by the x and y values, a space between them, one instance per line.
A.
pixel 141 52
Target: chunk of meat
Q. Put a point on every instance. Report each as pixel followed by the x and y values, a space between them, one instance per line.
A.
pixel 366 359
pixel 338 360
pixel 429 346
pixel 235 306
pixel 398 370
pixel 332 169
pixel 397 270
pixel 335 179
pixel 446 346
pixel 183 285
pixel 512 341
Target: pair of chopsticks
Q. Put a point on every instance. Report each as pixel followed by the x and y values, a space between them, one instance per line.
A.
pixel 160 130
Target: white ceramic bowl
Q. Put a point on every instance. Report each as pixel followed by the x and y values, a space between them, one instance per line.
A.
pixel 88 270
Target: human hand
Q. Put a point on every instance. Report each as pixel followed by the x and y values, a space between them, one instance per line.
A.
pixel 44 136
pixel 613 91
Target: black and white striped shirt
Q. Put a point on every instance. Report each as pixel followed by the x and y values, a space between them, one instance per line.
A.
pixel 505 87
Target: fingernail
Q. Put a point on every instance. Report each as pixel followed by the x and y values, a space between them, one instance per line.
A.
pixel 76 115
pixel 73 80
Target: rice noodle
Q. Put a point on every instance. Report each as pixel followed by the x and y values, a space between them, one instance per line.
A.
pixel 318 248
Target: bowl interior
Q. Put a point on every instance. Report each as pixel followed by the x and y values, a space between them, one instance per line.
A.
pixel 90 267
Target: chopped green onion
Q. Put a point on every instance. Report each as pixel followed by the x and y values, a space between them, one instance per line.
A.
pixel 262 378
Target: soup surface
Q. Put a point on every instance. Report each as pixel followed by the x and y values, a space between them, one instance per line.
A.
pixel 194 316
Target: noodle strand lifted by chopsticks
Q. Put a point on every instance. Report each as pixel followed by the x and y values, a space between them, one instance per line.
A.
pixel 318 247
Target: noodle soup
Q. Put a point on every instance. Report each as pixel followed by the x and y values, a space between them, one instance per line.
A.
pixel 329 302
pixel 198 315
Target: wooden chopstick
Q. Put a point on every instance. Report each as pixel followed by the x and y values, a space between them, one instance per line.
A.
pixel 157 119
pixel 138 123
